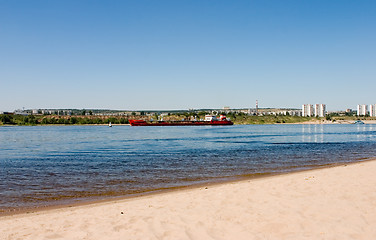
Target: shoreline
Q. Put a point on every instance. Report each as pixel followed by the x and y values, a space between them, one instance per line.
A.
pixel 208 183
pixel 217 182
pixel 335 202
pixel 318 122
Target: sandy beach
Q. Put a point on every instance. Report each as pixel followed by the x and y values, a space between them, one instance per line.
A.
pixel 329 203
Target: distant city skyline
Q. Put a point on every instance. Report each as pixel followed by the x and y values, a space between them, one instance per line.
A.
pixel 306 109
pixel 166 55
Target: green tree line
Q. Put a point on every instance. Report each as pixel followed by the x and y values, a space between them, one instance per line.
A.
pixel 46 120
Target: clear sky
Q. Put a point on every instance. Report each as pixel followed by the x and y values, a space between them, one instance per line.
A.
pixel 180 54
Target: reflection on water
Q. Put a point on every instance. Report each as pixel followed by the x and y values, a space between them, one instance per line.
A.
pixel 313 133
pixel 320 133
pixel 56 164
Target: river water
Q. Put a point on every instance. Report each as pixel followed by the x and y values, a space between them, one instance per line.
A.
pixel 53 165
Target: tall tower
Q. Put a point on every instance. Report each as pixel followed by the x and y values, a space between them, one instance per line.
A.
pixel 256 107
pixel 362 109
pixel 307 110
pixel 372 110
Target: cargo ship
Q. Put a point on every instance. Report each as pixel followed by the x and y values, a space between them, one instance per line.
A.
pixel 209 120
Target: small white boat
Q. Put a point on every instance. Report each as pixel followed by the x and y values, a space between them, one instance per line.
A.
pixel 109 124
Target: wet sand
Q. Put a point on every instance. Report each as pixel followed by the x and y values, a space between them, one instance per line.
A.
pixel 329 203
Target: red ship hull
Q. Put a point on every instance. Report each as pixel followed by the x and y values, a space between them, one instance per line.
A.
pixel 180 123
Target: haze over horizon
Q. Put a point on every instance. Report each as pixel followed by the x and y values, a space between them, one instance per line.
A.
pixel 145 55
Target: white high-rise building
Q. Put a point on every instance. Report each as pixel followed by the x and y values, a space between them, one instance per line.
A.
pixel 320 110
pixel 307 110
pixel 372 110
pixel 362 109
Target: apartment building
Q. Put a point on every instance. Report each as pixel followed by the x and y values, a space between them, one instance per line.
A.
pixel 320 110
pixel 362 110
pixel 307 110
pixel 317 110
pixel 372 110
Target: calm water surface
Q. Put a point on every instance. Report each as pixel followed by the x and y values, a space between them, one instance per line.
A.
pixel 51 165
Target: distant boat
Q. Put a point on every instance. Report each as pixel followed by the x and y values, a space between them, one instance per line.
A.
pixel 358 122
pixel 209 120
pixel 109 124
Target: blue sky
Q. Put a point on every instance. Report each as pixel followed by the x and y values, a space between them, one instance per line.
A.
pixel 186 54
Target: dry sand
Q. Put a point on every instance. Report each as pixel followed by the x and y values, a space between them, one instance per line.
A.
pixel 330 203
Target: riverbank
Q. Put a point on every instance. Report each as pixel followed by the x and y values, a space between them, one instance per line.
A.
pixel 237 119
pixel 329 203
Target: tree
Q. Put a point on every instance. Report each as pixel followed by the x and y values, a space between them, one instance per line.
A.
pixel 124 121
pixel 45 121
pixel 61 121
pixel 73 120
pixel 6 119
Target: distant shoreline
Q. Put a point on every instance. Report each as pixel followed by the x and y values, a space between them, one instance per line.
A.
pixel 296 123
pixel 237 119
